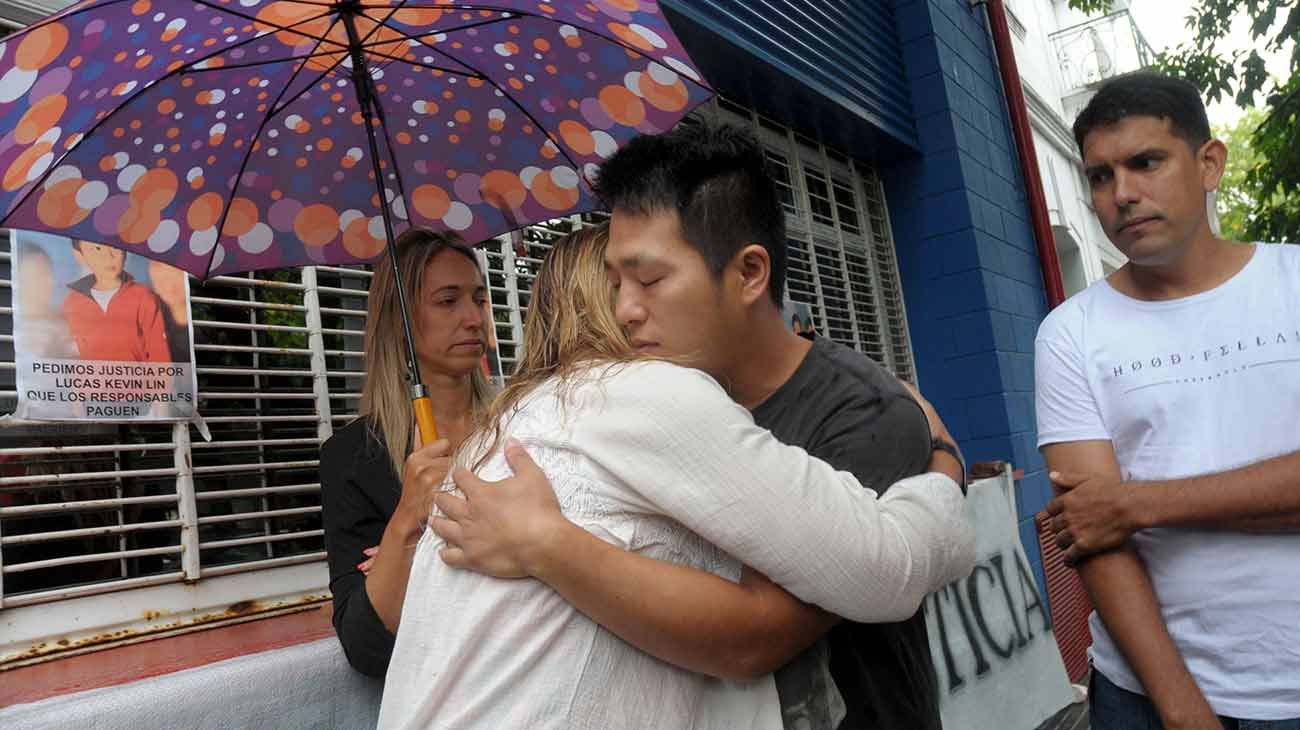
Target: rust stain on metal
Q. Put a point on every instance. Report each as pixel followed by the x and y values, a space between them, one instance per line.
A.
pixel 234 613
pixel 241 608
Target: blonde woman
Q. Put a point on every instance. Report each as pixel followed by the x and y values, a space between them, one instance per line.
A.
pixel 658 460
pixel 371 523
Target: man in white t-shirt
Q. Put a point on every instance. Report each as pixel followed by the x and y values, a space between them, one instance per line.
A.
pixel 1168 400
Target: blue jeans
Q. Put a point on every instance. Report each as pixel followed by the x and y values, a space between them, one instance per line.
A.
pixel 1111 707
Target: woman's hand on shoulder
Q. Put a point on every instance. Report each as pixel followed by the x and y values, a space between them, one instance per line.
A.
pixel 940 460
pixel 937 428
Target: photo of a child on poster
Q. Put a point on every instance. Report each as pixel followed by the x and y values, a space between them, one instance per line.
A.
pixel 100 334
pixel 799 317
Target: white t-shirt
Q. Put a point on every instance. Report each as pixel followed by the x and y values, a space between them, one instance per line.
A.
pixel 103 296
pixel 658 460
pixel 1192 386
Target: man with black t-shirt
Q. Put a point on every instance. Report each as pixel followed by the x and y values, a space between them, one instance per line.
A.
pixel 697 252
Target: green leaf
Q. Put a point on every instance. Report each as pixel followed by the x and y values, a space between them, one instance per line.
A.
pixel 1260 193
pixel 1093 7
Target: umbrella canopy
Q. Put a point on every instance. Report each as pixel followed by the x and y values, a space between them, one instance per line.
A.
pixel 224 136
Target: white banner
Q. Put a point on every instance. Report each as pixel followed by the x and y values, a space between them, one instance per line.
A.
pixel 100 334
pixel 991 633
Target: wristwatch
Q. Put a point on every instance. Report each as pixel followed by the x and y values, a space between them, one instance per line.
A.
pixel 948 447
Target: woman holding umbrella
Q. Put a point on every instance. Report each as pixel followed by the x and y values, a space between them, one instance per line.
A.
pixel 367 516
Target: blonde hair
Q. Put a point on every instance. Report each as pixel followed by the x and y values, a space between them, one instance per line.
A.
pixel 385 394
pixel 570 324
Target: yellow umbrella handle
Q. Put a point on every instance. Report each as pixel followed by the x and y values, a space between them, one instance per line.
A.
pixel 424 419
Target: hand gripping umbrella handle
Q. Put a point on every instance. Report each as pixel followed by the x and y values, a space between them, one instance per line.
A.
pixel 424 414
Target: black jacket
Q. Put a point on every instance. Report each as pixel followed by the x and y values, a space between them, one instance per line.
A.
pixel 359 493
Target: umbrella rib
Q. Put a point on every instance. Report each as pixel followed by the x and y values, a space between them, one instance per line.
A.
pixel 384 124
pixel 404 35
pixel 394 59
pixel 373 96
pixel 324 54
pixel 392 156
pixel 252 142
pixel 40 180
pixel 364 45
pixel 269 62
pixel 285 28
pixel 423 34
pixel 509 97
pixel 549 19
pixel 276 108
pixel 415 37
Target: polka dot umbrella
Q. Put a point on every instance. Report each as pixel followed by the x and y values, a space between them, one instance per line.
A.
pixel 226 136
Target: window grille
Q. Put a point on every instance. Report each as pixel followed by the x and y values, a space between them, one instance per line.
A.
pixel 840 254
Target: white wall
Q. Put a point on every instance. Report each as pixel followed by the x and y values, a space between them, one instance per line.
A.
pixel 1085 252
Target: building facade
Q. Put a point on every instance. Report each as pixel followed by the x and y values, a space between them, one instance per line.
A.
pixel 1062 56
pixel 910 240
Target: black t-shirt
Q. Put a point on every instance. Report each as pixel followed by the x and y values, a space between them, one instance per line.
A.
pixel 845 409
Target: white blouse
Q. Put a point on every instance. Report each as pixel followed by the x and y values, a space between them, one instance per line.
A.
pixel 657 459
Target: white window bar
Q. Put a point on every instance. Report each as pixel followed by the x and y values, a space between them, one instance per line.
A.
pixel 840 251
pixel 885 273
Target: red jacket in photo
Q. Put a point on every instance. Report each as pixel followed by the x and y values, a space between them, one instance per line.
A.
pixel 132 329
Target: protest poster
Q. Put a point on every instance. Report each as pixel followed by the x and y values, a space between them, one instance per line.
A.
pixel 100 334
pixel 798 317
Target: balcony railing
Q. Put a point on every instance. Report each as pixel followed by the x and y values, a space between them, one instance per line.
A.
pixel 1098 49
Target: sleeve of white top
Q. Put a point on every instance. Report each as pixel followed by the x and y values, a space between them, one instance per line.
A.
pixel 1063 399
pixel 690 452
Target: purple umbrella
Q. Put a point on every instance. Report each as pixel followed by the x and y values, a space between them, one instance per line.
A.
pixel 224 136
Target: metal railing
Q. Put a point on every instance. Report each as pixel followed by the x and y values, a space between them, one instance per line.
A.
pixel 1095 50
pixel 840 248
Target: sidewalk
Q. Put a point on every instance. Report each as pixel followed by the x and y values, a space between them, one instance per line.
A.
pixel 1074 717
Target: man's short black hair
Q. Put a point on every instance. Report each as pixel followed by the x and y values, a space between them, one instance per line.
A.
pixel 1147 94
pixel 715 178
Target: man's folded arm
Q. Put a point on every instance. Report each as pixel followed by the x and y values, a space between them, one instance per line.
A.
pixel 1261 497
pixel 1121 591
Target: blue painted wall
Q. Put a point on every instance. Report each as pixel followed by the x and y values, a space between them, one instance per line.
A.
pixel 831 68
pixel 966 253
